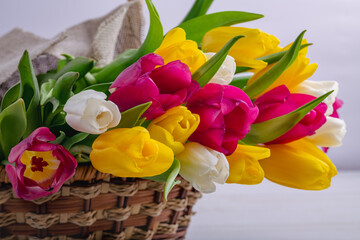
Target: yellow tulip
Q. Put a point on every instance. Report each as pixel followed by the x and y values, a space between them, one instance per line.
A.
pixel 299 71
pixel 299 164
pixel 255 44
pixel 244 164
pixel 176 47
pixel 130 152
pixel 174 127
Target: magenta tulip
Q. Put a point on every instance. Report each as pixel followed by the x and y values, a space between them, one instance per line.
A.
pixel 226 113
pixel 149 79
pixel 279 101
pixel 39 168
pixel 337 104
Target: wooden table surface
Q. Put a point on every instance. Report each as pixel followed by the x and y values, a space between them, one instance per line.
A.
pixel 271 212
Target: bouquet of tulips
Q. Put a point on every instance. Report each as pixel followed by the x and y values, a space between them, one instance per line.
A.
pixel 206 100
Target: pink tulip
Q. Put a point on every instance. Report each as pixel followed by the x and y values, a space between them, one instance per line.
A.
pixel 279 101
pixel 226 113
pixel 166 86
pixel 337 104
pixel 39 168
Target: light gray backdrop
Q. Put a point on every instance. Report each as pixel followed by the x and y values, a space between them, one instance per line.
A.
pixel 333 26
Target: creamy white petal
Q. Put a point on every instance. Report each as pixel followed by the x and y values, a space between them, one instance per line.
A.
pixel 330 134
pixel 89 112
pixel 203 166
pixel 318 88
pixel 226 72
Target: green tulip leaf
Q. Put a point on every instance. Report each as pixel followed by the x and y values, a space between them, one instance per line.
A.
pixel 204 74
pixel 10 96
pixel 240 69
pixel 272 129
pixel 71 141
pixel 152 41
pixel 12 126
pixel 272 58
pixel 168 177
pixel 62 62
pixel 263 82
pixel 197 27
pixel 100 87
pixel 46 91
pixel 240 81
pixel 30 93
pixel 60 138
pixel 63 87
pixel 81 65
pixel 130 117
pixel 199 8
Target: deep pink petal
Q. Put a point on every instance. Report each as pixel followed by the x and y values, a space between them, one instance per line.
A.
pixel 41 134
pixel 172 77
pixel 144 65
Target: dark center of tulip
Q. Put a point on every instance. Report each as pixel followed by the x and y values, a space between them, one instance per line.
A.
pixel 38 164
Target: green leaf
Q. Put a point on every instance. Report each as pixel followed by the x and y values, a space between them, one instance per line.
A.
pixel 100 87
pixel 81 65
pixel 197 27
pixel 130 117
pixel 169 177
pixel 30 93
pixel 204 74
pixel 12 126
pixel 242 69
pixel 10 96
pixel 171 180
pixel 63 87
pixel 272 129
pixel 199 8
pixel 277 56
pixel 152 41
pixel 62 62
pixel 263 82
pixel 74 140
pixel 240 81
pixel 46 91
pixel 60 138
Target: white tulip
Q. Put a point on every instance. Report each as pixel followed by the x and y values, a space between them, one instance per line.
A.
pixel 318 88
pixel 203 166
pixel 226 72
pixel 89 112
pixel 330 134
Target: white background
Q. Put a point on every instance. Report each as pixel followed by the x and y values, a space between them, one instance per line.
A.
pixel 333 26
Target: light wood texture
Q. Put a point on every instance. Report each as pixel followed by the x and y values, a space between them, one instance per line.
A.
pixel 273 212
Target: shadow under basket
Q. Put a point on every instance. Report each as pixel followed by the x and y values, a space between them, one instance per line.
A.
pixel 94 205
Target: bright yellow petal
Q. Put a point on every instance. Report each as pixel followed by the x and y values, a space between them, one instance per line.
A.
pixel 176 47
pixel 130 152
pixel 255 44
pixel 40 166
pixel 244 164
pixel 299 164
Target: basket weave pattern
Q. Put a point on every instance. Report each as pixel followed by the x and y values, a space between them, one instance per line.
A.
pixel 93 205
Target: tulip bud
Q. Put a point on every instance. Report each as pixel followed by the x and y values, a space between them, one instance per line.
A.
pixel 226 72
pixel 244 164
pixel 89 112
pixel 174 127
pixel 330 134
pixel 130 152
pixel 299 164
pixel 203 166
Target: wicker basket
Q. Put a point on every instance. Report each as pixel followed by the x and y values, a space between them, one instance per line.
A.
pixel 93 205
